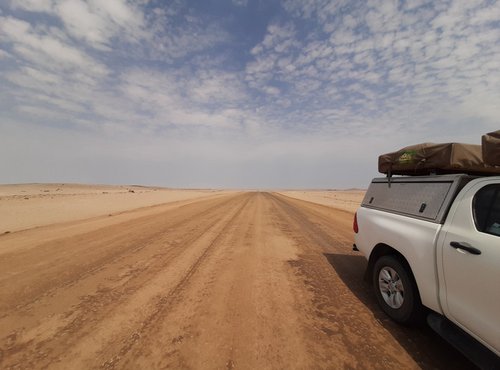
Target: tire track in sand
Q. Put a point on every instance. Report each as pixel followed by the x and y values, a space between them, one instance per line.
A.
pixel 238 311
pixel 158 302
pixel 262 281
pixel 45 342
pixel 354 332
pixel 100 247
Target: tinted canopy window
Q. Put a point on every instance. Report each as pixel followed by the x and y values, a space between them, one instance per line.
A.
pixel 487 209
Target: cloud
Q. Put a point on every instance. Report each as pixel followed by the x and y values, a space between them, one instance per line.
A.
pixel 33 5
pixel 4 54
pixel 45 48
pixel 95 22
pixel 308 80
pixel 397 57
pixel 240 2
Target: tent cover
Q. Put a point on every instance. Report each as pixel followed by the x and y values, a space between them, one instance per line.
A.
pixel 446 158
pixel 491 148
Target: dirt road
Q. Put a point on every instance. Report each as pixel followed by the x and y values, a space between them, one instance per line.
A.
pixel 237 281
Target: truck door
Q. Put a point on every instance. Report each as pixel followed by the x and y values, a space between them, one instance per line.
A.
pixel 471 262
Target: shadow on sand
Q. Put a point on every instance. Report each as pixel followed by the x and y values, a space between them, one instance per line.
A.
pixel 426 347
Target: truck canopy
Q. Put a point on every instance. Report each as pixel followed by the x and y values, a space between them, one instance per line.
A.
pixel 424 197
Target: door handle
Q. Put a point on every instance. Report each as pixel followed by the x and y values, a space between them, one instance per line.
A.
pixel 465 247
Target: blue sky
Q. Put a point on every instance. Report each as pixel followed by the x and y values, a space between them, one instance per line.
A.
pixel 266 94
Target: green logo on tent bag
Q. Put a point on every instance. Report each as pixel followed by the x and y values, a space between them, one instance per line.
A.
pixel 407 157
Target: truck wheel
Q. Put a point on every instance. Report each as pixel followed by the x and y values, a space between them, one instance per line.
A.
pixel 396 291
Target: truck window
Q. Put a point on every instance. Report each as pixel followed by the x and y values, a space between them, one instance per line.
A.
pixel 486 210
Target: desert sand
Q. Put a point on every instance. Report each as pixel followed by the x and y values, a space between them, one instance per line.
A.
pixel 30 205
pixel 191 280
pixel 348 200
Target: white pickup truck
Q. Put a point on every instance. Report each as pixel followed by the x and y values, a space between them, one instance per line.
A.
pixel 433 249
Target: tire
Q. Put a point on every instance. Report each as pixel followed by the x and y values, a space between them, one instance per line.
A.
pixel 396 290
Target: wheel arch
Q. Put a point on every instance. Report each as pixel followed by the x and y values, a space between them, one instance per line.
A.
pixel 381 250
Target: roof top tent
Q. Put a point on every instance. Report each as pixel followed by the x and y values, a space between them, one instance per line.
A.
pixel 446 158
pixel 424 197
pixel 490 143
pixel 433 174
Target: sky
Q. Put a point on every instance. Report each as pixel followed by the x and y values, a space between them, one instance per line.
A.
pixel 239 94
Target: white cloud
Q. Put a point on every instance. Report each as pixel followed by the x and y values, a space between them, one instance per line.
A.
pixel 82 23
pixel 323 74
pixel 319 8
pixel 4 54
pixel 41 48
pixel 240 2
pixel 414 4
pixel 43 112
pixel 486 15
pixel 33 5
pixel 271 90
pixel 95 22
pixel 206 99
pixel 414 58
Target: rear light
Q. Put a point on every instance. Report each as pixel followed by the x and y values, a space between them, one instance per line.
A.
pixel 355 223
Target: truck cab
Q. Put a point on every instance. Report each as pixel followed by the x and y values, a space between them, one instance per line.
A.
pixel 468 261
